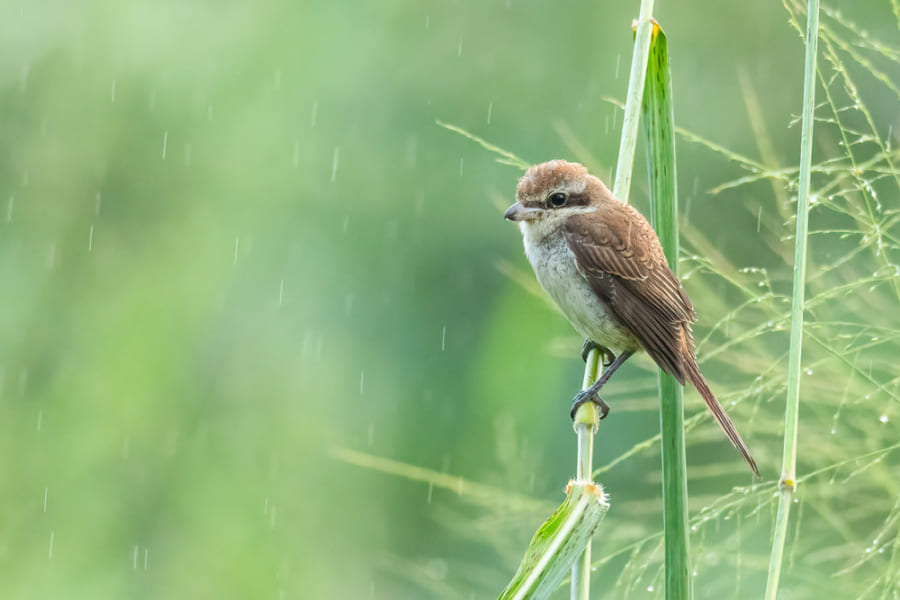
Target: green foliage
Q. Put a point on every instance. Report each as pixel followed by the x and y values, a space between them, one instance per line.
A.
pixel 558 543
pixel 658 121
pixel 798 305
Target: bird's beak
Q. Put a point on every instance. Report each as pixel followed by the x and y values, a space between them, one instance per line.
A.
pixel 517 212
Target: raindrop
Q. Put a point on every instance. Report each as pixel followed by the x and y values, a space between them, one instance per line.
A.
pixel 40 420
pixel 334 163
pixel 649 588
pixel 411 151
pixel 237 246
pixel 91 239
pixel 437 569
pixel 281 293
pixel 459 49
pixel 444 338
pixel 23 381
pixel 420 204
pixel 146 558
pixel 490 112
pixel 883 418
pixel 430 490
pixel 50 555
pixel 362 382
pixel 23 77
pixel 165 142
pixel 46 490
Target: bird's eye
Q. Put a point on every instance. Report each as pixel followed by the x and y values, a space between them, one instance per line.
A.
pixel 556 200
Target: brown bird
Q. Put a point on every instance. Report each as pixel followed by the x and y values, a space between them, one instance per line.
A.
pixel 601 262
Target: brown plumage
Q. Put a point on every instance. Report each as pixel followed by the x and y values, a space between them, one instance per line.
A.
pixel 638 302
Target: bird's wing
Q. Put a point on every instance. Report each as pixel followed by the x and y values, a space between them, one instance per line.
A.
pixel 619 255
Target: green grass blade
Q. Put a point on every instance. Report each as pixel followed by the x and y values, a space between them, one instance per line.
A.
pixel 581 572
pixel 586 421
pixel 636 80
pixel 659 132
pixel 558 543
pixel 505 157
pixel 792 408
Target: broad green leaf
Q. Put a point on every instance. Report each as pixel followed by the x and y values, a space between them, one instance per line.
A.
pixel 658 124
pixel 558 543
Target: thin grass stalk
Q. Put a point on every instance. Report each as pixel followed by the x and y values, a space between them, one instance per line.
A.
pixel 585 427
pixel 659 127
pixel 581 571
pixel 792 405
pixel 636 80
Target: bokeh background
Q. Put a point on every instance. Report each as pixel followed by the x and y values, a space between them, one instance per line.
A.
pixel 265 334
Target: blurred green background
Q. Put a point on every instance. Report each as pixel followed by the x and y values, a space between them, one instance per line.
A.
pixel 242 265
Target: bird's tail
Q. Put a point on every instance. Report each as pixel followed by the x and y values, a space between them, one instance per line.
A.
pixel 694 376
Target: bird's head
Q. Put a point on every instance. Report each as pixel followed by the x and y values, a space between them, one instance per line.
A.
pixel 551 192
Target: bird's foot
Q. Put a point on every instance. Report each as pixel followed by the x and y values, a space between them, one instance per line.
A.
pixel 582 397
pixel 605 353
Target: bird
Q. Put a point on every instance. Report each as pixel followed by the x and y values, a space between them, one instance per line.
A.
pixel 601 262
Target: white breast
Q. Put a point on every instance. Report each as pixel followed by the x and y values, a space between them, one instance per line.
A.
pixel 554 265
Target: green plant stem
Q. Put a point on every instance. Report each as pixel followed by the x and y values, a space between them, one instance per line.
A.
pixel 636 80
pixel 659 127
pixel 585 426
pixel 792 408
pixel 580 584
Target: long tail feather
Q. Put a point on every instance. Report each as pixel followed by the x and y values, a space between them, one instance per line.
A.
pixel 695 377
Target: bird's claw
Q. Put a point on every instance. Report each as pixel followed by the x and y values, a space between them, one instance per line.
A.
pixel 605 353
pixel 582 397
